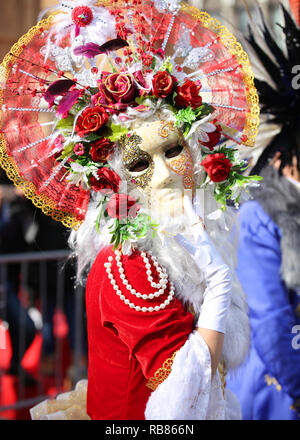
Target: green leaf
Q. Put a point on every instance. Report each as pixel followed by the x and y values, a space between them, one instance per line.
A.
pixel 153 64
pixel 92 137
pixel 255 178
pixel 67 150
pixel 167 65
pixel 140 100
pixel 143 231
pixel 229 153
pixel 98 222
pixel 187 130
pixel 65 124
pixel 98 219
pixel 185 115
pixel 102 209
pixel 204 110
pixel 116 239
pixel 117 132
pixel 133 229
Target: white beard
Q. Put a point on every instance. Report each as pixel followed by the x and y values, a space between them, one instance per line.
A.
pixel 182 270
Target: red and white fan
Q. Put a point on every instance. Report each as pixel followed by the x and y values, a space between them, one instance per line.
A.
pixel 83 39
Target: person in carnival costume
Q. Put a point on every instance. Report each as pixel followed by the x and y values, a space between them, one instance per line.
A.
pixel 268 384
pixel 121 119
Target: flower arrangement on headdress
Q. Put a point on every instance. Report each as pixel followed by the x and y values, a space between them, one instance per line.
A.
pixel 96 107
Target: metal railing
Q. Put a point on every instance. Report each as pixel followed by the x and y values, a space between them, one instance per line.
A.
pixel 39 303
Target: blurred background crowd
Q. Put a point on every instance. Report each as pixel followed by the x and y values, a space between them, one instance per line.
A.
pixel 50 341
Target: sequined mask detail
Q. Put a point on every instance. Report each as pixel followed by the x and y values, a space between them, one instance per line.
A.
pixel 131 154
pixel 183 165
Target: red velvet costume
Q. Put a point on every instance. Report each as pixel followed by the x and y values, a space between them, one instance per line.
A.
pixel 127 347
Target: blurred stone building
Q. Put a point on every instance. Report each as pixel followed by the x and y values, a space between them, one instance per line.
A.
pixel 17 16
pixel 236 12
pixel 15 19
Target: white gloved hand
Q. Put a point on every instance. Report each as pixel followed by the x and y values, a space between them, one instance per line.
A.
pixel 217 295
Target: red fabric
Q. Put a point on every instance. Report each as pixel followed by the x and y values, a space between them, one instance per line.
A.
pixel 127 347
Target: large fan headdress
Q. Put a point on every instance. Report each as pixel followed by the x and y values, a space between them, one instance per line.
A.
pixel 73 84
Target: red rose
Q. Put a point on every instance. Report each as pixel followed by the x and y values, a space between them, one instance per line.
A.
pixel 116 91
pixel 121 87
pixel 107 181
pixel 188 95
pixel 217 166
pixel 101 150
pixel 214 138
pixel 122 206
pixel 91 120
pixel 104 99
pixel 162 84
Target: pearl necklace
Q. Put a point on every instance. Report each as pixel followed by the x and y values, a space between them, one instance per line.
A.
pixel 161 285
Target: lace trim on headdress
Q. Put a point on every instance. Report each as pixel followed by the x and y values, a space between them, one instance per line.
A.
pixel 230 42
pixel 7 163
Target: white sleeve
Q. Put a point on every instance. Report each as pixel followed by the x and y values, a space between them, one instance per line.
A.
pixel 217 275
pixel 188 393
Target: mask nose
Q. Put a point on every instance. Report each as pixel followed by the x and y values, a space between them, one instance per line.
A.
pixel 162 175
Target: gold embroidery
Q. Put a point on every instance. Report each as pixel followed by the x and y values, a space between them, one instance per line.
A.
pixel 183 165
pixel 165 129
pixel 272 381
pixel 296 407
pixel 161 374
pixel 223 374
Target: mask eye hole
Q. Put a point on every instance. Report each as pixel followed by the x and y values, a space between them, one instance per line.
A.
pixel 174 152
pixel 141 165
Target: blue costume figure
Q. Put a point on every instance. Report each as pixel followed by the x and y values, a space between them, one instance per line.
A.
pixel 268 384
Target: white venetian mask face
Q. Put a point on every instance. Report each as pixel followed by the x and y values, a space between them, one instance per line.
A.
pixel 158 161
